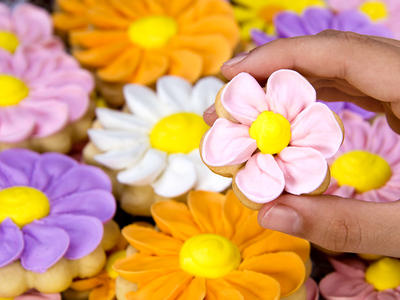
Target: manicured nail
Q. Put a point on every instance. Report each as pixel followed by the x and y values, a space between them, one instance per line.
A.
pixel 210 115
pixel 282 218
pixel 236 59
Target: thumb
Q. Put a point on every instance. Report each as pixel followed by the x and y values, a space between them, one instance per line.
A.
pixel 337 224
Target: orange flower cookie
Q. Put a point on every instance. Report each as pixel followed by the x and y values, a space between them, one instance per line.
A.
pixel 139 41
pixel 211 248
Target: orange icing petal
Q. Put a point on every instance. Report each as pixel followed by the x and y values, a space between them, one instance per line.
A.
pixel 151 67
pixel 100 56
pixel 223 25
pixel 174 218
pixel 149 241
pixel 90 283
pixel 104 16
pixel 67 22
pixel 141 269
pixel 175 8
pixel 166 287
pixel 181 59
pixel 104 292
pixel 97 38
pixel 277 242
pixel 155 7
pixel 196 290
pixel 201 8
pixel 72 6
pixel 129 8
pixel 218 289
pixel 285 267
pixel 206 209
pixel 254 286
pixel 247 231
pixel 122 68
pixel 214 49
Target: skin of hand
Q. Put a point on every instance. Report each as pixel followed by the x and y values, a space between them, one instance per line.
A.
pixel 342 66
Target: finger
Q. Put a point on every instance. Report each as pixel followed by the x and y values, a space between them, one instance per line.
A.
pixel 365 63
pixel 392 120
pixel 337 224
pixel 210 115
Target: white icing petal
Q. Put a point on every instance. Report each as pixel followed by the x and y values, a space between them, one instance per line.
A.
pixel 174 92
pixel 107 140
pixel 146 170
pixel 112 119
pixel 178 178
pixel 144 103
pixel 204 93
pixel 206 179
pixel 122 159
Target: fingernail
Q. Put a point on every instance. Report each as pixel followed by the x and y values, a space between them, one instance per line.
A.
pixel 282 218
pixel 236 59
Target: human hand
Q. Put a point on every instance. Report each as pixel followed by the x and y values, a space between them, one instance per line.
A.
pixel 343 67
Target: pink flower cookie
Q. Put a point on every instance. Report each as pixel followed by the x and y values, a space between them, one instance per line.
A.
pixel 44 100
pixel 272 141
pixel 26 25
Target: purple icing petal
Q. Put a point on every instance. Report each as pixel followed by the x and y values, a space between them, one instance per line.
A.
pixel 375 29
pixel 362 112
pixel 316 20
pixel 350 21
pixel 44 246
pixel 85 233
pixel 78 179
pixel 260 38
pixel 289 24
pixel 95 203
pixel 34 295
pixel 11 242
pixel 49 168
pixel 10 176
pixel 337 107
pixel 20 159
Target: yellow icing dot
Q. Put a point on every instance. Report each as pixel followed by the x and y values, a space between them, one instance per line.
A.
pixel 384 274
pixel 8 41
pixel 12 90
pixel 268 12
pixel 209 256
pixel 369 256
pixel 152 32
pixel 271 131
pixel 178 133
pixel 376 10
pixel 111 261
pixel 362 170
pixel 23 204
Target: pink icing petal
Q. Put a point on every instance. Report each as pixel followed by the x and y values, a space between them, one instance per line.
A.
pixel 33 295
pixel 227 143
pixel 357 132
pixel 5 62
pixel 16 125
pixel 289 93
pixel 304 169
pixel 40 252
pixel 317 128
pixel 349 267
pixel 32 24
pixel 343 191
pixel 244 98
pixel 383 295
pixel 11 241
pixel 50 116
pixel 370 196
pixel 312 289
pixel 5 18
pixel 261 180
pixel 340 5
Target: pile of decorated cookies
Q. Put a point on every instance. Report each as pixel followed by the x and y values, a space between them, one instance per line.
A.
pixel 112 186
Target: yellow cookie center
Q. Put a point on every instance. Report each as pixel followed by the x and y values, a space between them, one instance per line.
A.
pixel 152 32
pixel 209 256
pixel 362 170
pixel 271 131
pixel 23 205
pixel 8 41
pixel 12 90
pixel 178 133
pixel 384 274
pixel 268 12
pixel 376 10
pixel 111 261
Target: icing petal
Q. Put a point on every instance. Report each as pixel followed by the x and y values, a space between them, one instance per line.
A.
pixel 95 203
pixel 312 289
pixel 357 131
pixel 11 241
pixel 337 286
pixel 174 92
pixel 5 17
pixel 143 102
pixel 204 93
pixel 297 161
pixel 85 233
pixel 107 140
pixel 16 125
pixel 243 98
pixel 261 180
pixel 289 93
pixel 227 143
pixel 178 177
pixel 21 159
pixel 317 19
pixel 33 295
pixel 113 119
pixel 316 127
pixel 120 159
pixel 146 170
pixel 44 246
pixel 341 191
pixel 339 5
pixel 289 24
pixel 206 179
